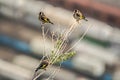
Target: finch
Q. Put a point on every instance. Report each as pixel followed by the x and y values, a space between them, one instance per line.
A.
pixel 43 18
pixel 78 15
pixel 43 65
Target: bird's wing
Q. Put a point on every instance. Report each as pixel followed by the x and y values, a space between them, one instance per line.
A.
pixel 44 18
pixel 78 15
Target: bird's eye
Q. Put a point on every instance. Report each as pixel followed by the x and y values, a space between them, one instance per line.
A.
pixel 75 10
pixel 40 13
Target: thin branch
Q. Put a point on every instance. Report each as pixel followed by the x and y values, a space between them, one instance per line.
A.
pixel 61 45
pixel 79 39
pixel 38 75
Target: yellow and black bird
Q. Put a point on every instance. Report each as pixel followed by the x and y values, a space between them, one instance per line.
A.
pixel 43 65
pixel 78 15
pixel 43 18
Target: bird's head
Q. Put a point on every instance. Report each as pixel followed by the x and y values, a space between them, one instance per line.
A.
pixel 41 13
pixel 75 11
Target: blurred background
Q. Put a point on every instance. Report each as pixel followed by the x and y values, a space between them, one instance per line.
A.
pixel 98 54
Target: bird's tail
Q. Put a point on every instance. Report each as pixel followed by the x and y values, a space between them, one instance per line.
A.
pixel 51 22
pixel 85 19
pixel 37 69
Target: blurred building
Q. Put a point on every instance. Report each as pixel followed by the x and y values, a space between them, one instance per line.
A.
pixel 21 41
pixel 104 10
